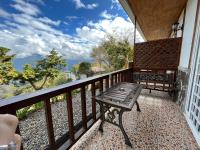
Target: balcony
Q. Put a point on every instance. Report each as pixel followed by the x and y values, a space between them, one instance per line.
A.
pixel 159 125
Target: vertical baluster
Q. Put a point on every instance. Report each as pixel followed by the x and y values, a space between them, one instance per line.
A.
pixel 119 77
pixel 101 85
pixel 49 121
pixel 70 115
pixel 130 75
pixel 83 107
pixel 114 81
pixel 107 82
pixel 125 76
pixel 93 101
pixel 122 77
pixel 111 80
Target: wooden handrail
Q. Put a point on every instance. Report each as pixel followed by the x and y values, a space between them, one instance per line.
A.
pixel 23 100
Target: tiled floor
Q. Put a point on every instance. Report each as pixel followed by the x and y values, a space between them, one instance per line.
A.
pixel 160 126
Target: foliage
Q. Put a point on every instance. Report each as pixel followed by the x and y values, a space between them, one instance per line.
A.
pixel 44 70
pixel 85 68
pixel 23 113
pixel 75 71
pixel 7 72
pixel 62 78
pixel 113 54
pixel 82 68
pixel 100 56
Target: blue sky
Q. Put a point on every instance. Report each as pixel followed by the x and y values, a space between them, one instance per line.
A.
pixel 72 27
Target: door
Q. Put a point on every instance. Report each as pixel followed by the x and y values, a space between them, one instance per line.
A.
pixel 193 105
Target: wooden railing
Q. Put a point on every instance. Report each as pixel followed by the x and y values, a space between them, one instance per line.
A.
pixel 100 82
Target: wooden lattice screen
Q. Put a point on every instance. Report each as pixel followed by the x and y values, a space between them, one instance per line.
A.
pixel 158 54
pixel 156 63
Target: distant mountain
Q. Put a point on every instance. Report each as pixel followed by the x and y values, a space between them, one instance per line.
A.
pixel 20 62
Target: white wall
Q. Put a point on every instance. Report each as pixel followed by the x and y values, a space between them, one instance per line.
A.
pixel 188 33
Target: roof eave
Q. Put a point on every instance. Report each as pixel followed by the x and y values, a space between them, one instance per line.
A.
pixel 129 12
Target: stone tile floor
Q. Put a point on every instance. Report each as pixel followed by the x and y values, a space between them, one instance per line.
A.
pixel 160 126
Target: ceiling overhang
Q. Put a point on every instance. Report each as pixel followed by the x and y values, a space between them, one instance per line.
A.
pixel 155 17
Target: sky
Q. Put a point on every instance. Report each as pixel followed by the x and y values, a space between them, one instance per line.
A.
pixel 72 27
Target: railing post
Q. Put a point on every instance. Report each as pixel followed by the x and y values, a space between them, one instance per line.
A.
pixel 129 74
pixel 111 80
pixel 121 77
pixel 119 74
pixel 116 78
pixel 107 82
pixel 83 107
pixel 101 85
pixel 93 101
pixel 49 122
pixel 70 115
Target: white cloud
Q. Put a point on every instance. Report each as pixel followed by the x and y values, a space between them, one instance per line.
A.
pixel 71 17
pixel 95 32
pixel 91 6
pixel 3 13
pixel 26 7
pixel 25 34
pixel 41 2
pixel 115 4
pixel 49 21
pixel 80 4
pixel 106 15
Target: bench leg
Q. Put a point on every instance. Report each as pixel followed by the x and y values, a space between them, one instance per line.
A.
pixel 138 107
pixel 127 141
pixel 102 118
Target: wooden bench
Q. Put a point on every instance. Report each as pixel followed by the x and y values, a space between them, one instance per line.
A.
pixel 161 80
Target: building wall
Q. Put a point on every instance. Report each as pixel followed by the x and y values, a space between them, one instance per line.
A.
pixel 184 70
pixel 188 33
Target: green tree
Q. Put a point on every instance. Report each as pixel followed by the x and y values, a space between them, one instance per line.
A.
pixel 75 71
pixel 85 68
pixel 62 78
pixel 100 56
pixel 44 70
pixel 7 72
pixel 114 53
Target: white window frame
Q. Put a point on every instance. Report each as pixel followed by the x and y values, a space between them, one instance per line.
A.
pixel 192 77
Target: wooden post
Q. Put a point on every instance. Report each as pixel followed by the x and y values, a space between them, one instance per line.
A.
pixel 93 101
pixel 49 122
pixel 70 115
pixel 83 107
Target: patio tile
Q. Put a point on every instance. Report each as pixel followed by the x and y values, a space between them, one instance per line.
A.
pixel 160 126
